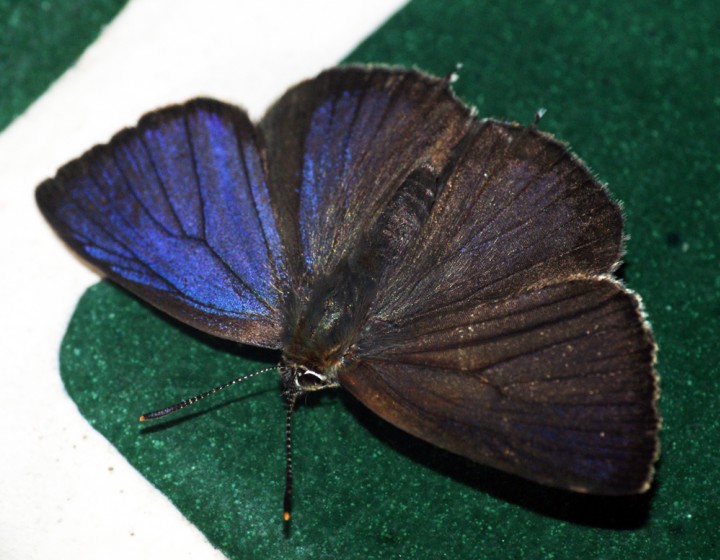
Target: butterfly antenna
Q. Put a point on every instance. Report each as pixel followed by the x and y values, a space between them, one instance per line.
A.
pixel 187 402
pixel 287 500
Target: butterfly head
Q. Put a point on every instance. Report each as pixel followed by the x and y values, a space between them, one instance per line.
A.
pixel 298 378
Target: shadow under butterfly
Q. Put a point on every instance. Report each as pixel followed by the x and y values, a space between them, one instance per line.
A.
pixel 453 274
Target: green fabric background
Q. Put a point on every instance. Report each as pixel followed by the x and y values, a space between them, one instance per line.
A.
pixel 635 88
pixel 39 39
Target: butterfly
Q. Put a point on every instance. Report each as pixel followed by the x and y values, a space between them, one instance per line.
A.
pixel 454 274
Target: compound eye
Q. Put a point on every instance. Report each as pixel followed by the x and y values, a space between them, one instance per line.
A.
pixel 309 379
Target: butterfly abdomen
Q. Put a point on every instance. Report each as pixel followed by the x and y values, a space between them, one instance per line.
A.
pixel 390 236
pixel 329 322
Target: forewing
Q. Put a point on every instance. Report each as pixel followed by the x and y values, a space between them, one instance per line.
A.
pixel 516 210
pixel 341 144
pixel 177 211
pixel 556 385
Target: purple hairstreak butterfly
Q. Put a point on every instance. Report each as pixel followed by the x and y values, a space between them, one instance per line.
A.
pixel 453 274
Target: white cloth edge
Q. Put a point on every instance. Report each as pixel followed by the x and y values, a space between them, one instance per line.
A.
pixel 66 492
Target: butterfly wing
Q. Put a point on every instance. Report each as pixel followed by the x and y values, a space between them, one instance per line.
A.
pixel 498 335
pixel 554 385
pixel 516 210
pixel 341 144
pixel 177 211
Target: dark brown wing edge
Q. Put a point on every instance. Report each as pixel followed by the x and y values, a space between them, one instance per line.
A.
pixel 557 385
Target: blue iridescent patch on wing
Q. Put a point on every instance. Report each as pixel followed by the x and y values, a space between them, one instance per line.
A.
pixel 179 205
pixel 340 130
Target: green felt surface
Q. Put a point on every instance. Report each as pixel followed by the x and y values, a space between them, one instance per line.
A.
pixel 39 39
pixel 634 87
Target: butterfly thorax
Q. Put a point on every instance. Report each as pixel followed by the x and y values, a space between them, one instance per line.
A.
pixel 326 325
pixel 328 314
